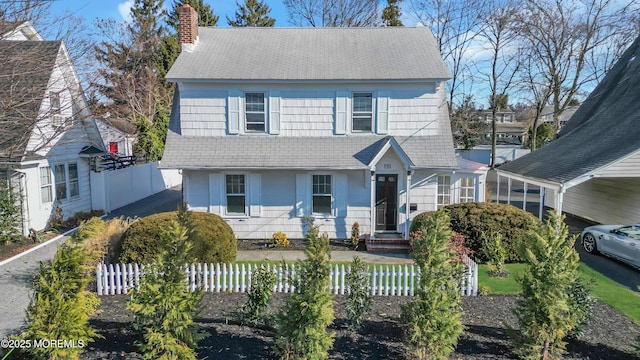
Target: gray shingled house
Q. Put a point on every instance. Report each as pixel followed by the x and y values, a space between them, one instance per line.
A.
pixel 345 125
pixel 44 127
pixel 592 169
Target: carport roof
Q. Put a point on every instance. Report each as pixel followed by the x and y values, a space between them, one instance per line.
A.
pixel 605 129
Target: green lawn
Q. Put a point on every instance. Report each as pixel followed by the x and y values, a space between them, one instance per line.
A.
pixel 603 288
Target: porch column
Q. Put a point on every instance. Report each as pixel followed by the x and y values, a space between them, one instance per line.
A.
pixel 407 206
pixel 524 199
pixel 373 204
pixel 509 191
pixel 543 194
pixel 498 192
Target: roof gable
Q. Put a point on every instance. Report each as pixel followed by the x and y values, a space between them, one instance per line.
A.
pixel 25 69
pixel 605 128
pixel 322 54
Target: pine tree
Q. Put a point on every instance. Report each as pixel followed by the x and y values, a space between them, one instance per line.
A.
pixel 391 13
pixel 433 318
pixel 206 16
pixel 303 321
pixel 546 312
pixel 359 298
pixel 252 13
pixel 163 307
pixel 61 305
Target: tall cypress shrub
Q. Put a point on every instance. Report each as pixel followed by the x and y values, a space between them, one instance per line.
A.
pixel 163 307
pixel 546 311
pixel 433 319
pixel 303 321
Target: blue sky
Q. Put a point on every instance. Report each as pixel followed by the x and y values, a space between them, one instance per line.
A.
pixel 89 10
pixel 117 9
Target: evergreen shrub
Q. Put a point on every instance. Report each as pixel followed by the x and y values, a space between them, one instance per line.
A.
pixel 472 220
pixel 212 238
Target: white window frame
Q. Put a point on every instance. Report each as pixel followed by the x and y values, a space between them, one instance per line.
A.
pixel 319 190
pixel 362 114
pixel 71 184
pixel 60 181
pixel 444 191
pixel 238 193
pixel 467 191
pixel 252 112
pixel 46 183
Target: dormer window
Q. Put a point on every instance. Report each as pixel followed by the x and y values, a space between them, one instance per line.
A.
pixel 362 120
pixel 254 106
pixel 54 103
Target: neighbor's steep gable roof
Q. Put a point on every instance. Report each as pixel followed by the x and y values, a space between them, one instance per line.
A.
pixel 25 70
pixel 604 129
pixel 259 53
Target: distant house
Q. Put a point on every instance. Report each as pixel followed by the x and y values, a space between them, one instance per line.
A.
pixel 592 169
pixel 46 131
pixel 118 135
pixel 344 125
pixel 509 129
pixel 547 115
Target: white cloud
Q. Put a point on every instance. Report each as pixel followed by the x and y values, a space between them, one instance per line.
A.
pixel 125 10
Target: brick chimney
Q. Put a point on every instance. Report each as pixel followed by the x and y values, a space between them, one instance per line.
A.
pixel 188 19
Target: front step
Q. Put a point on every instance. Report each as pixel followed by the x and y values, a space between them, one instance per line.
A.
pixel 389 243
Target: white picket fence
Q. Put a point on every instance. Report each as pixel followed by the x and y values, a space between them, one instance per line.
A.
pixel 385 280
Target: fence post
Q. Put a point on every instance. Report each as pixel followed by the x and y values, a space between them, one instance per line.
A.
pixel 99 279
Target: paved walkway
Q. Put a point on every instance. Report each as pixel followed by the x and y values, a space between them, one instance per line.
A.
pixel 339 256
pixel 16 274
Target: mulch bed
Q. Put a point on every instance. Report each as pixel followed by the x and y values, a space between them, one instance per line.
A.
pixel 296 244
pixel 487 319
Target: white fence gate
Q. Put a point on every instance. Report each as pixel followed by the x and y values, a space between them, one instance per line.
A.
pixel 385 280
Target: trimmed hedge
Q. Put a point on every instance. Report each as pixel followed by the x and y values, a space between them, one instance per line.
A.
pixel 473 220
pixel 213 240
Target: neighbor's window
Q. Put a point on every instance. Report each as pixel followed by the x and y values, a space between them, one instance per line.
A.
pixel 254 112
pixel 362 120
pixel 322 194
pixel 54 102
pixel 235 194
pixel 467 190
pixel 74 189
pixel 444 190
pixel 45 184
pixel 59 174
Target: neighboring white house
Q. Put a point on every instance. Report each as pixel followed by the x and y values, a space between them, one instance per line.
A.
pixel 46 133
pixel 118 135
pixel 271 125
pixel 592 169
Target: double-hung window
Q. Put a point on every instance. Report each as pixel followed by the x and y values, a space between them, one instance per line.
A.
pixel 362 115
pixel 66 180
pixel 45 185
pixel 467 190
pixel 322 194
pixel 59 174
pixel 255 116
pixel 57 119
pixel 444 191
pixel 236 194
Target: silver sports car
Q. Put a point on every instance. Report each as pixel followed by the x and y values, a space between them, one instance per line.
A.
pixel 618 241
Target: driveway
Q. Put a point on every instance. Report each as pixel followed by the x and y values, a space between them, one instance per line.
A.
pixel 613 269
pixel 16 274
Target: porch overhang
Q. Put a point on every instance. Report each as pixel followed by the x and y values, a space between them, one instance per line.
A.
pixel 391 143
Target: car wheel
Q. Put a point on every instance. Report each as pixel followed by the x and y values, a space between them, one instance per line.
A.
pixel 589 243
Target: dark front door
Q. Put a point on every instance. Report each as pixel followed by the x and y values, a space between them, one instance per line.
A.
pixel 386 202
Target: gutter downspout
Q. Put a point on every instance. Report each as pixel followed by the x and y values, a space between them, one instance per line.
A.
pixel 26 214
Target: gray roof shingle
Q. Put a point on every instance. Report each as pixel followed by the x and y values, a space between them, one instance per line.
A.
pixel 604 129
pixel 273 152
pixel 25 69
pixel 259 53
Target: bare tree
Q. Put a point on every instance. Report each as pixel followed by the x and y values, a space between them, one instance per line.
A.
pixel 455 25
pixel 40 96
pixel 333 13
pixel 575 42
pixel 499 36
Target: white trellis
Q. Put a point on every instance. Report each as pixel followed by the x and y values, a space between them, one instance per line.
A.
pixel 385 280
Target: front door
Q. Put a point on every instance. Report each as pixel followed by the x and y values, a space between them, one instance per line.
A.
pixel 386 202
